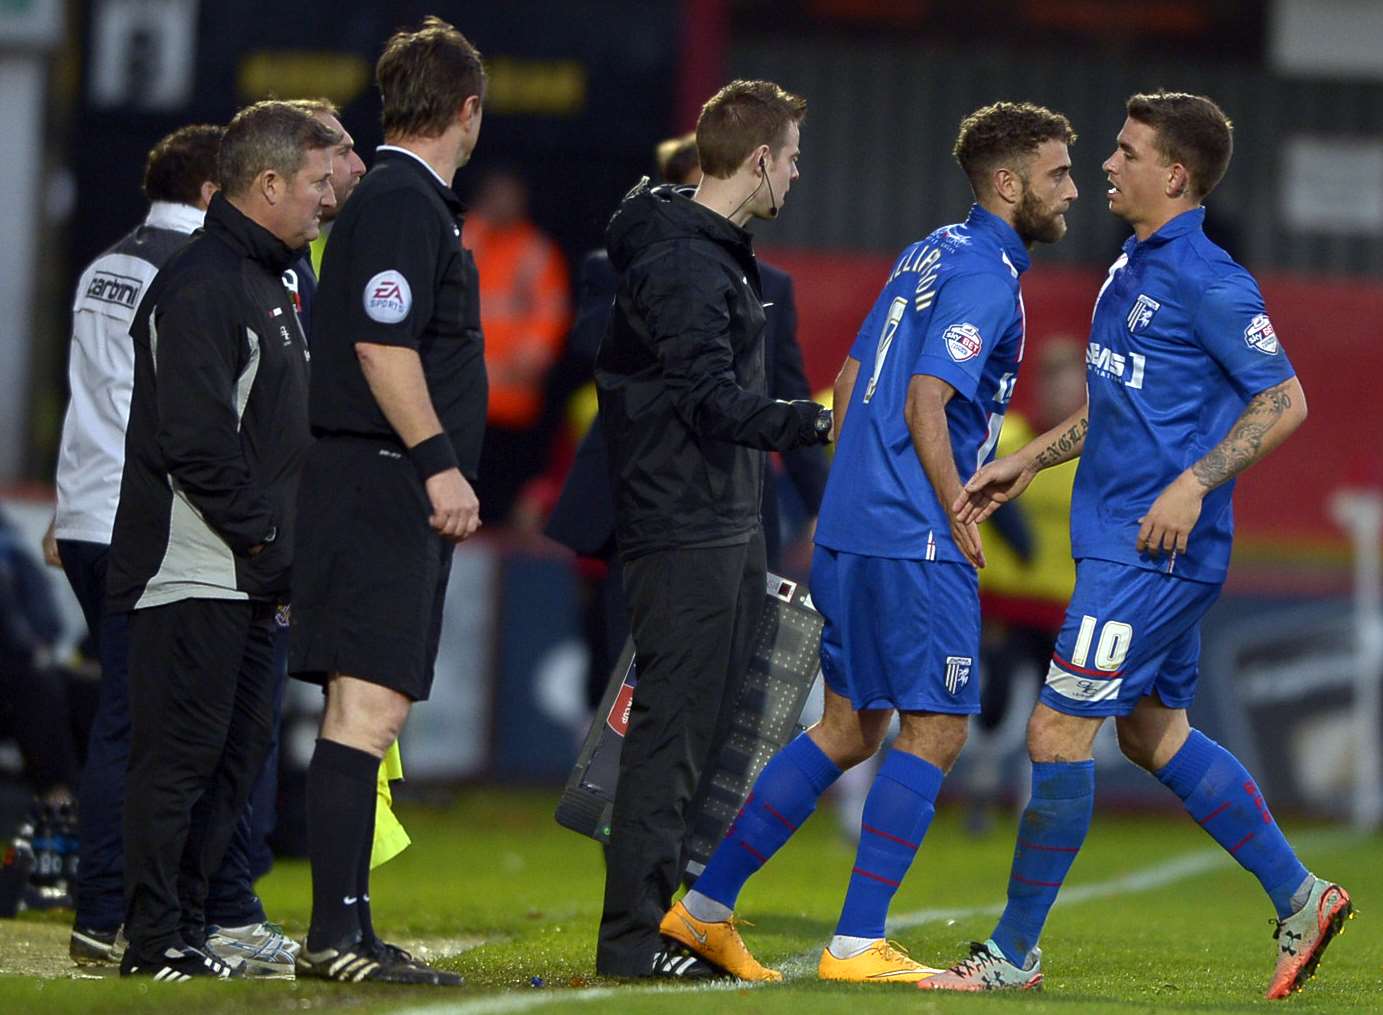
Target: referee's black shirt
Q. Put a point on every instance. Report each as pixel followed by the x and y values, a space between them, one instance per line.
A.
pixel 395 273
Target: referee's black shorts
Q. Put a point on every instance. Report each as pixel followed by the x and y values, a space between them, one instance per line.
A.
pixel 369 573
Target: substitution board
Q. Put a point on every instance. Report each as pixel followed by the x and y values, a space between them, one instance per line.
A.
pixel 768 704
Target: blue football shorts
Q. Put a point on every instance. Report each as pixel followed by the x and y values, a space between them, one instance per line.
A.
pixel 1128 632
pixel 901 634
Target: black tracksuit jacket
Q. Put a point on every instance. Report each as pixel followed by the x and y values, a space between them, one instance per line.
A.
pixel 218 423
pixel 680 375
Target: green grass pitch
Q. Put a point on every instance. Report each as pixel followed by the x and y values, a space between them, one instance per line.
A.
pixel 1153 919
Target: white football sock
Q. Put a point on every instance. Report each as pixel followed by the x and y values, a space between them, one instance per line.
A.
pixel 843 946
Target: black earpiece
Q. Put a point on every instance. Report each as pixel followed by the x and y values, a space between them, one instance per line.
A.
pixel 772 201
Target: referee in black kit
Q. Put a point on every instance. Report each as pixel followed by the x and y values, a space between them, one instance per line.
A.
pixel 397 405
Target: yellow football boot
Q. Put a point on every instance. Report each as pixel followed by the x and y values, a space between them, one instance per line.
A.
pixel 882 962
pixel 718 943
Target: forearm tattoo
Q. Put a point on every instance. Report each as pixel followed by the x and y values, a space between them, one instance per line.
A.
pixel 1244 443
pixel 1064 447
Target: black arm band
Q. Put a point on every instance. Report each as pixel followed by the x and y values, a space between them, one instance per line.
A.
pixel 433 455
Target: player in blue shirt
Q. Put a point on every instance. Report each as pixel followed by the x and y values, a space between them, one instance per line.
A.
pixel 1187 386
pixel 919 403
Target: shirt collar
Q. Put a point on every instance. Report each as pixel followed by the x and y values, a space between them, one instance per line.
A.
pixel 182 218
pixel 1009 240
pixel 390 151
pixel 1186 222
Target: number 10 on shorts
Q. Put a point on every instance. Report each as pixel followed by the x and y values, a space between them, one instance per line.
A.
pixel 1112 648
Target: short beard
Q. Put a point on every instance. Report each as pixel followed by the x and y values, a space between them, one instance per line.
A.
pixel 1034 224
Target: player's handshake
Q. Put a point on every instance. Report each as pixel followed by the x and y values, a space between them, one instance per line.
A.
pixel 995 484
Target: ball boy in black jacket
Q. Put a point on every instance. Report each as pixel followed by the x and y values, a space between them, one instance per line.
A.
pixel 680 375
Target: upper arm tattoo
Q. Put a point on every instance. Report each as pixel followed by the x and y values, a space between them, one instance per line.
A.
pixel 1243 445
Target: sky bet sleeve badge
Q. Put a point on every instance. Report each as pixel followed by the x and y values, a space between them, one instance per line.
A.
pixel 963 342
pixel 1261 336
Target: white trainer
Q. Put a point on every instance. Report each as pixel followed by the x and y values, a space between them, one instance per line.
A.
pixel 258 949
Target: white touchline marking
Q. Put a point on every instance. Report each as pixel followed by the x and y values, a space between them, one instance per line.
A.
pixel 541 999
pixel 1179 868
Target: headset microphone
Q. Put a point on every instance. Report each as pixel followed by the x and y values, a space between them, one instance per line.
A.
pixel 772 201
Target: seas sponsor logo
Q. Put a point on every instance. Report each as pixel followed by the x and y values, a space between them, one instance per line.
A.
pixel 958 672
pixel 1128 368
pixel 1140 315
pixel 963 342
pixel 1261 336
pixel 108 287
pixel 388 297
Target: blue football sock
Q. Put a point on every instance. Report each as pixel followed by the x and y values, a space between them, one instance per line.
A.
pixel 784 796
pixel 1049 837
pixel 1222 798
pixel 897 812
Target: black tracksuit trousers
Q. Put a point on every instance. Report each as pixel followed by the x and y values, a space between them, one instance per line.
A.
pixel 201 709
pixel 692 614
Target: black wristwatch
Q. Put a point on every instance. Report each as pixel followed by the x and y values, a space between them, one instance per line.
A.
pixel 271 535
pixel 825 419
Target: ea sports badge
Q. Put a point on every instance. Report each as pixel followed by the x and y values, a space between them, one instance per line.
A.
pixel 1261 336
pixel 963 342
pixel 387 297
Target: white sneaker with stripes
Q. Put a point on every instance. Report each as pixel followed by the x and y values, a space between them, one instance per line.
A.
pixel 177 965
pixel 677 962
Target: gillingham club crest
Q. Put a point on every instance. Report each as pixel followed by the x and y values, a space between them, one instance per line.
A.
pixel 1143 310
pixel 957 672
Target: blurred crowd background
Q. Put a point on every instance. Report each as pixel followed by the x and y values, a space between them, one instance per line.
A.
pixel 580 95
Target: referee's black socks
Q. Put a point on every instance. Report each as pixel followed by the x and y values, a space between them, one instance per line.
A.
pixel 341 794
pixel 362 874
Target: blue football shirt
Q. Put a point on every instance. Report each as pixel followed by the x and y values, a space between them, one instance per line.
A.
pixel 1179 343
pixel 952 309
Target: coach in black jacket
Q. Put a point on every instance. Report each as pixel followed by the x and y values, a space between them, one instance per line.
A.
pixel 203 537
pixel 680 376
